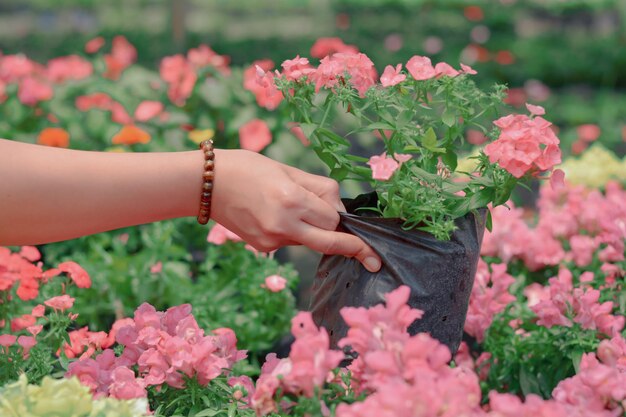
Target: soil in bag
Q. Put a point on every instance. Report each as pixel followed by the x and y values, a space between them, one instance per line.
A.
pixel 439 273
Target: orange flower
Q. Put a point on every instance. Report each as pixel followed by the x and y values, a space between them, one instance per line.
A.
pixel 129 135
pixel 54 136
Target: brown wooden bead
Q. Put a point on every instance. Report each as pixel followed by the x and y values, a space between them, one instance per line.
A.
pixel 208 176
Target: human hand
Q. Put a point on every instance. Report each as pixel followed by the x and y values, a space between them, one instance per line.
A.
pixel 270 205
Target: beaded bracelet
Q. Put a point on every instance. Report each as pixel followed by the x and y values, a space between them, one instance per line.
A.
pixel 207 181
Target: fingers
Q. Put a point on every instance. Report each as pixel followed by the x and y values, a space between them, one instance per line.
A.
pixel 318 212
pixel 325 188
pixel 337 243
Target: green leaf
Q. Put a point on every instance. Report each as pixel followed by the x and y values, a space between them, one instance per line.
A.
pixel 403 119
pixel 448 117
pixel 63 360
pixel 429 140
pixel 339 173
pixel 528 382
pixel 450 159
pixel 379 126
pixel 489 221
pixel 576 356
pixel 332 136
pixel 208 413
pixel 308 129
pixel 356 158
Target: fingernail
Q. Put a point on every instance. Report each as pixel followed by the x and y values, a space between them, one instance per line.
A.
pixel 372 264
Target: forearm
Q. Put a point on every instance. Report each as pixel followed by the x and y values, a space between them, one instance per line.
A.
pixel 49 194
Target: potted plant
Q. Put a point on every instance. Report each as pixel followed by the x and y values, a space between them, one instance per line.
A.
pixel 426 214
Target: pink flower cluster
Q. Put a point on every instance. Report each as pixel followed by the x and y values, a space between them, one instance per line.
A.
pixel 599 387
pixel 409 376
pixel 165 347
pixel 404 375
pixel 180 72
pixel 590 223
pixel 559 303
pixel 19 268
pixel 307 367
pixel 490 296
pixel 259 80
pixel 145 111
pixel 122 55
pixel 35 81
pixel 525 145
pixel 332 70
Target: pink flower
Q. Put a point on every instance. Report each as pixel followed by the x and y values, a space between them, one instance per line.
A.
pixel 294 69
pixel 475 137
pixel 468 70
pixel 76 273
pixel 148 110
pixel 535 110
pixel 99 101
pixel 258 79
pixel 38 311
pixel 333 69
pixel 31 253
pixel 420 68
pixel 122 55
pixel 328 46
pixel 613 352
pixel 180 76
pixel 557 180
pixel 244 389
pixel 32 90
pixel 94 45
pixel 204 56
pixel 524 145
pixel 22 322
pixel 156 268
pixel 35 330
pixel 125 386
pixel 70 67
pixel 490 296
pixel 275 283
pixel 382 166
pixel 392 76
pixel 443 69
pixel 588 133
pixel 255 135
pixel 7 340
pixel 218 235
pixel 16 67
pixel 583 248
pixel 297 131
pixel 61 302
pixel 27 343
pixel 119 114
pixel 402 157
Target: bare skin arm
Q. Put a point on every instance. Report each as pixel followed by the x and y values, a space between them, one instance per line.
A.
pixel 50 194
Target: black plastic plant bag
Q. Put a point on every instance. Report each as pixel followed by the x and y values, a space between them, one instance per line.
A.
pixel 440 274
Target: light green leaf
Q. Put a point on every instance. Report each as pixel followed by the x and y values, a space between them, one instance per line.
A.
pixel 448 117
